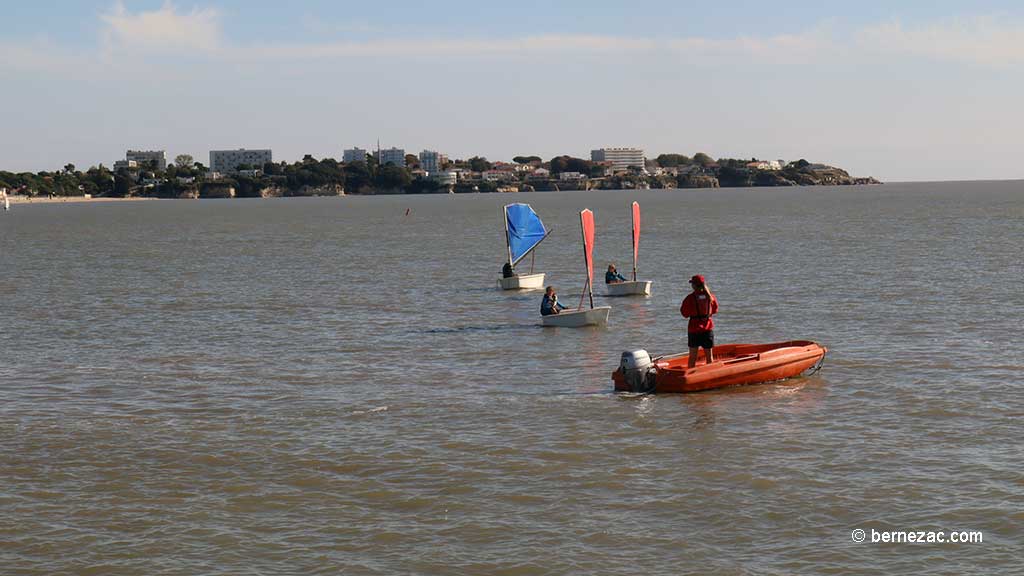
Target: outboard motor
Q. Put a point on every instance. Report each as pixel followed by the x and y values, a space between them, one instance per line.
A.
pixel 638 371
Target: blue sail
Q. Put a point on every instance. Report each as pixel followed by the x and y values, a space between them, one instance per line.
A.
pixel 525 230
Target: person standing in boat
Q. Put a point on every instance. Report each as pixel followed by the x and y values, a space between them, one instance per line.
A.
pixel 699 306
pixel 612 276
pixel 549 305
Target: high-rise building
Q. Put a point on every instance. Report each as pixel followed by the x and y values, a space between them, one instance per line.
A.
pixel 230 160
pixel 144 157
pixel 395 156
pixel 432 161
pixel 621 159
pixel 353 155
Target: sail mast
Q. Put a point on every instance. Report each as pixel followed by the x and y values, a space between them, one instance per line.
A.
pixel 508 240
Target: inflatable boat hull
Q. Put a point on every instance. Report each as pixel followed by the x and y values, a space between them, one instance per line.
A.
pixel 734 365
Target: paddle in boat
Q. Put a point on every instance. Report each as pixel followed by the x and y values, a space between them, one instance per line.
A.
pixel 632 287
pixel 523 232
pixel 734 365
pixel 593 316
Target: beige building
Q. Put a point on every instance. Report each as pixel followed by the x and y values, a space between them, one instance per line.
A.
pixel 432 161
pixel 230 160
pixel 353 155
pixel 394 156
pixel 621 159
pixel 144 157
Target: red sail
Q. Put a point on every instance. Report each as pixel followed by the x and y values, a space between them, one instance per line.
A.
pixel 587 225
pixel 636 235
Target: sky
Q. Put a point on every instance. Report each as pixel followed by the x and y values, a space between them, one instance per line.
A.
pixel 911 90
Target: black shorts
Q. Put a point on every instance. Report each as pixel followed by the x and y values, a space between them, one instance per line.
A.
pixel 701 339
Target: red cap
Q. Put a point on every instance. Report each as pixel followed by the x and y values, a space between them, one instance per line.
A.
pixel 697 279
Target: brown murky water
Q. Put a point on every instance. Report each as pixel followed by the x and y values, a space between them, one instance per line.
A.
pixel 328 386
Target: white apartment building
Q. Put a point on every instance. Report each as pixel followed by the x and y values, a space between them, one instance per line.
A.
pixel 230 160
pixel 572 176
pixel 432 161
pixel 498 175
pixel 621 159
pixel 144 157
pixel 395 156
pixel 765 165
pixel 445 178
pixel 353 155
pixel 125 165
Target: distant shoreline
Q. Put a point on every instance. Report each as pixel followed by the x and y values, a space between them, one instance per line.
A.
pixel 65 199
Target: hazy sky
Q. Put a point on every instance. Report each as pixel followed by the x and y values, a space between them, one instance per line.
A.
pixel 914 90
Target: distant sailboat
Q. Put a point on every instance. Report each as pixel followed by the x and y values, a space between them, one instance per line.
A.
pixel 524 231
pixel 583 316
pixel 634 287
pixel 7 202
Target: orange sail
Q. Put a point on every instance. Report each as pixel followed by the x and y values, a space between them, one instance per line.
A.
pixel 636 236
pixel 587 226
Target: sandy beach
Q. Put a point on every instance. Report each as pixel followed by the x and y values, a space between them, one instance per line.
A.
pixel 63 199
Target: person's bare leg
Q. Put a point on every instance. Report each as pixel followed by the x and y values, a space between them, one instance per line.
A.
pixel 693 358
pixel 709 354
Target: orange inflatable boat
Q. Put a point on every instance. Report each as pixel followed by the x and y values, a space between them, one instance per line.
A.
pixel 734 364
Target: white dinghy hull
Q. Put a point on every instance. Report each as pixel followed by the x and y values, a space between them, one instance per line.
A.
pixel 522 282
pixel 630 288
pixel 579 318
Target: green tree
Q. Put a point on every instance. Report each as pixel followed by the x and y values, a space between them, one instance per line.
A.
pixel 358 176
pixel 671 160
pixel 122 186
pixel 559 164
pixel 703 159
pixel 526 159
pixel 393 177
pixel 578 165
pixel 69 168
pixel 479 164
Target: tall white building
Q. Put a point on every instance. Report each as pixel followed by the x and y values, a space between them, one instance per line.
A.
pixel 230 160
pixel 432 161
pixel 353 155
pixel 622 159
pixel 144 157
pixel 395 156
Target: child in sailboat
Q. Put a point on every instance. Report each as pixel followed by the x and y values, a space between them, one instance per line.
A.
pixel 612 276
pixel 550 305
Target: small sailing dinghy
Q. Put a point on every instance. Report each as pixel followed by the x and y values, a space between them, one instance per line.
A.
pixel 583 316
pixel 523 232
pixel 634 287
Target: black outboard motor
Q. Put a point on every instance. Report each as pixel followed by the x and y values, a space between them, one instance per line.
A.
pixel 638 371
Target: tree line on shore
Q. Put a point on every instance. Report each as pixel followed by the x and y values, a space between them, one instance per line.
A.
pixel 185 176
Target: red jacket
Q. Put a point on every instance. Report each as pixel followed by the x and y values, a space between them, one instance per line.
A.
pixel 699 307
